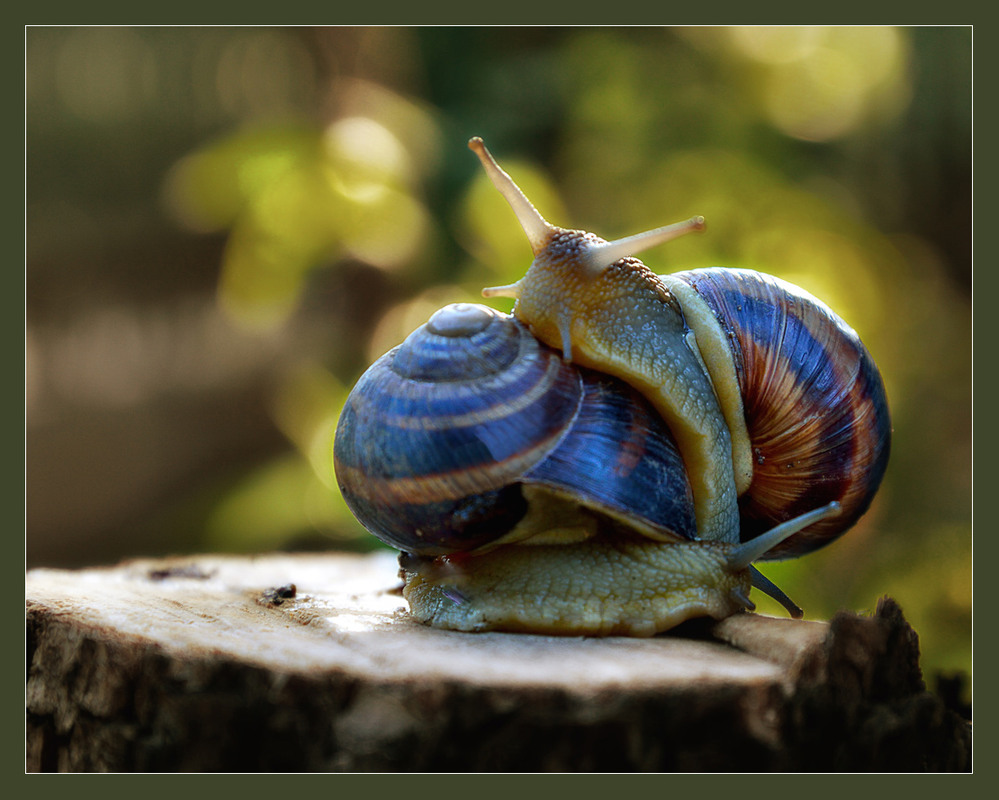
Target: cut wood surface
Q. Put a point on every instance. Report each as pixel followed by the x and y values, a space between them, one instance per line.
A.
pixel 311 663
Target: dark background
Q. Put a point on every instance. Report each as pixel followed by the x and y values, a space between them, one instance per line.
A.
pixel 226 225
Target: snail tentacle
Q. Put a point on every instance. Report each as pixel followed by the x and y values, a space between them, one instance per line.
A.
pixel 769 588
pixel 741 556
pixel 740 596
pixel 613 456
pixel 509 290
pixel 565 336
pixel 535 226
pixel 600 255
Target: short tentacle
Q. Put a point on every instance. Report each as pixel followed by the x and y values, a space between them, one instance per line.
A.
pixel 769 588
pixel 509 290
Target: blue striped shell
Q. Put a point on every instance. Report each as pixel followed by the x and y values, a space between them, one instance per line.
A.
pixel 440 435
pixel 814 401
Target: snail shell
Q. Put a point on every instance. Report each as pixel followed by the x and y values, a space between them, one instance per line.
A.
pixel 814 404
pixel 772 397
pixel 440 438
pixel 526 493
pixel 614 456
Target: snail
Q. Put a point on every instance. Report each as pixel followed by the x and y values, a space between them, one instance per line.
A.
pixel 613 456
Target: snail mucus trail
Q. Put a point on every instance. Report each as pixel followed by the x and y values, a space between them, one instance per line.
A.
pixel 608 458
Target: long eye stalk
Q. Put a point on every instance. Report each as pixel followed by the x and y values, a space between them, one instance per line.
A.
pixel 539 231
pixel 600 256
pixel 535 226
pixel 745 554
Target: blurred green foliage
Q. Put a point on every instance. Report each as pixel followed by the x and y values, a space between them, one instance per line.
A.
pixel 837 158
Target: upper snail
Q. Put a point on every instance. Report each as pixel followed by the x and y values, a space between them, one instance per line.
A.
pixel 694 423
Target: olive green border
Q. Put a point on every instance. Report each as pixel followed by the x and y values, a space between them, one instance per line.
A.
pixel 514 12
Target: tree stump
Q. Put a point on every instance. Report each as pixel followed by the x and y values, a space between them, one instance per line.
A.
pixel 310 663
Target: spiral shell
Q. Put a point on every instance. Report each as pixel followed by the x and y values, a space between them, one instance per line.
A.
pixel 441 436
pixel 814 404
pixel 647 438
pixel 793 414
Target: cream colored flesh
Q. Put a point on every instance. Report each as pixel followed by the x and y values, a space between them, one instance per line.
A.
pixel 624 328
pixel 559 517
pixel 598 587
pixel 621 321
pixel 717 355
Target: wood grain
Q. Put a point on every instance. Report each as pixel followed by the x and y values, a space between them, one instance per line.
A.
pixel 311 663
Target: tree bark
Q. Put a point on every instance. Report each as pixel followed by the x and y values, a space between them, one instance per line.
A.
pixel 310 663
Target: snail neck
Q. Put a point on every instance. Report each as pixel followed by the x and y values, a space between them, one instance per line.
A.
pixel 606 310
pixel 622 321
pixel 716 352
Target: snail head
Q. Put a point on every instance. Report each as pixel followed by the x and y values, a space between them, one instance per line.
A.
pixel 570 275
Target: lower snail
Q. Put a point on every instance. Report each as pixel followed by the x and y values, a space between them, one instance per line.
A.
pixel 613 456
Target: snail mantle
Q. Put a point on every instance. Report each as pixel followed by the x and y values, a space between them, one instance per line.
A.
pixel 312 663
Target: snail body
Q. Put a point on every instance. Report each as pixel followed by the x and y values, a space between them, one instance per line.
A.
pixel 632 444
pixel 525 492
pixel 800 395
pixel 622 322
